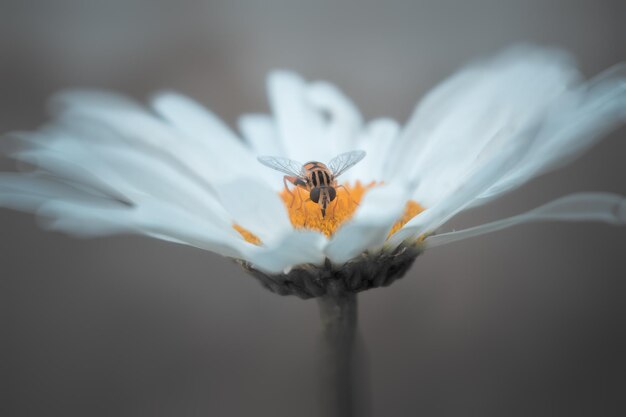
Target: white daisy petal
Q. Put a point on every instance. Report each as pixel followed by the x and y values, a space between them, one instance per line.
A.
pixel 299 123
pixel 78 213
pixel 226 154
pixel 133 126
pixel 261 134
pixel 457 120
pixel 367 230
pixel 153 219
pixel 600 207
pixel 65 165
pixel 477 182
pixel 573 125
pixel 376 140
pixel 194 120
pixel 36 189
pixel 256 207
pixel 118 165
pixel 293 249
pixel 107 165
pixel 344 119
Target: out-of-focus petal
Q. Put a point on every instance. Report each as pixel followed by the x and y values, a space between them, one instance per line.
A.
pixel 131 126
pixel 344 121
pixel 376 140
pixel 454 123
pixel 71 210
pixel 295 248
pixel 261 134
pixel 483 177
pixel 91 153
pixel 315 120
pixel 599 207
pixel 573 124
pixel 225 153
pixel 368 229
pixel 300 125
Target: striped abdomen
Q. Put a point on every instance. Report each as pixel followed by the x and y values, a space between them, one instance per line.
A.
pixel 318 175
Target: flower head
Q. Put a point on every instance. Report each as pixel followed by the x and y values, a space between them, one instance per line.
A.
pixel 175 171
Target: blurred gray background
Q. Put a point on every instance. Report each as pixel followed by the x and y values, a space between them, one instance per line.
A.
pixel 526 322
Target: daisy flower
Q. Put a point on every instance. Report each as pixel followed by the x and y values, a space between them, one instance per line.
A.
pixel 174 171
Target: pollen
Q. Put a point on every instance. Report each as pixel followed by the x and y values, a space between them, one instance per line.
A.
pixel 305 214
pixel 411 210
pixel 247 235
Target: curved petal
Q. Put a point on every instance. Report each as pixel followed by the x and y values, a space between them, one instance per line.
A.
pixel 261 134
pixel 370 226
pixel 344 119
pixel 225 153
pixel 573 124
pixel 300 125
pixel 256 207
pixel 86 152
pixel 456 121
pixel 599 207
pixel 315 120
pixel 295 248
pixel 76 212
pixel 132 126
pixel 477 182
pixel 376 140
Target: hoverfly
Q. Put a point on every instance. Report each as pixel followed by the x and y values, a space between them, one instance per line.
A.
pixel 318 179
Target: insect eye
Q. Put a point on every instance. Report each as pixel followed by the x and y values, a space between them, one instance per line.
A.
pixel 332 193
pixel 315 194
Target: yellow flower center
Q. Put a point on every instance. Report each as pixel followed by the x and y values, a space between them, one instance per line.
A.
pixel 305 214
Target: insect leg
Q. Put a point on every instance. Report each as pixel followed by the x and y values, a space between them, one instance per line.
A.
pixel 347 192
pixel 306 217
pixel 300 197
pixel 335 206
pixel 291 180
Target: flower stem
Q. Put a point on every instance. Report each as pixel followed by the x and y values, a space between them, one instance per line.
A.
pixel 338 313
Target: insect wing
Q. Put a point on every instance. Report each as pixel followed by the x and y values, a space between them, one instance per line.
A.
pixel 343 162
pixel 285 165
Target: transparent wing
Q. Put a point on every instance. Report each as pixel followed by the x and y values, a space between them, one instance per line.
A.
pixel 286 165
pixel 343 162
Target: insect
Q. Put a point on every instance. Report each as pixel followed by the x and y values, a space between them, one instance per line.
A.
pixel 318 179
